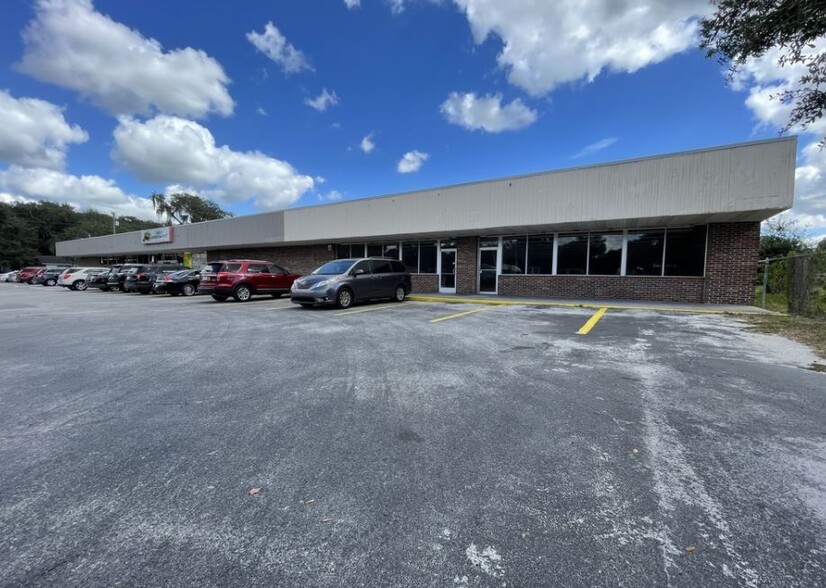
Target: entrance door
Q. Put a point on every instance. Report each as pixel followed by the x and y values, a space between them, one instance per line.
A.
pixel 488 259
pixel 447 271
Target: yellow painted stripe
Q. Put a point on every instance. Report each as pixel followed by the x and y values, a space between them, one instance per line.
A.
pixel 586 328
pixel 371 309
pixel 449 300
pixel 460 314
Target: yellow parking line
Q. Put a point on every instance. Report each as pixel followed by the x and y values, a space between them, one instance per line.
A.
pixel 586 328
pixel 453 316
pixel 371 309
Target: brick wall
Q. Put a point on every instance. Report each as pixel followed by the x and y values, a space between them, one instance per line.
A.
pixel 731 262
pixel 467 254
pixel 666 289
pixel 425 283
pixel 300 259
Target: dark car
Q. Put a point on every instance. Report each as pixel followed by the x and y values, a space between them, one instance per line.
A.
pixel 100 281
pixel 48 277
pixel 154 282
pixel 183 282
pixel 345 281
pixel 116 280
pixel 244 278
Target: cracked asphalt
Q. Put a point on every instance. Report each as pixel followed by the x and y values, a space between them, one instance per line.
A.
pixel 497 448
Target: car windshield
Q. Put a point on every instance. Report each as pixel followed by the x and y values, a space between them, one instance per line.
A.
pixel 334 268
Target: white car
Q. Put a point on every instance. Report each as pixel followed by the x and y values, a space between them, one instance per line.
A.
pixel 76 278
pixel 9 276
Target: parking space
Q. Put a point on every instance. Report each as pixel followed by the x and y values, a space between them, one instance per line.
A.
pixel 159 440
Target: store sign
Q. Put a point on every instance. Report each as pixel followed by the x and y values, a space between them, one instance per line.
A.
pixel 153 236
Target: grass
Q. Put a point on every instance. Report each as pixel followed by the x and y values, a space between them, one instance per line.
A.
pixel 807 330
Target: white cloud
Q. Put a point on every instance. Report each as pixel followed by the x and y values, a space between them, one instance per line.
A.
pixel 764 78
pixel 594 147
pixel 73 46
pixel 331 196
pixel 323 101
pixel 171 149
pixel 275 46
pixel 352 4
pixel 367 143
pixel 82 192
pixel 261 112
pixel 396 6
pixel 33 132
pixel 546 44
pixel 486 112
pixel 412 161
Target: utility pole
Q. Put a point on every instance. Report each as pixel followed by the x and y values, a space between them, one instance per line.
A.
pixel 114 223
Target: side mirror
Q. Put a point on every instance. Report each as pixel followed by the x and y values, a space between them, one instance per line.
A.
pixel 358 272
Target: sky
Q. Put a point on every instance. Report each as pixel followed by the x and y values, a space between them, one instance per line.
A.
pixel 271 105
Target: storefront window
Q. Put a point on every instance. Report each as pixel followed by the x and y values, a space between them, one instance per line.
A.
pixel 645 253
pixel 540 254
pixel 513 255
pixel 410 256
pixel 375 250
pixel 488 241
pixel 427 257
pixel 391 250
pixel 606 254
pixel 685 251
pixel 572 254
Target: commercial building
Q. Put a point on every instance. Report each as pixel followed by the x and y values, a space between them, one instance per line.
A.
pixel 681 227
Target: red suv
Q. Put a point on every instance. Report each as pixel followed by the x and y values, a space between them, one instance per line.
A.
pixel 243 278
pixel 27 274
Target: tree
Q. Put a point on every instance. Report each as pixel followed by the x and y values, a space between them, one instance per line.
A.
pixel 187 208
pixel 782 237
pixel 743 29
pixel 821 245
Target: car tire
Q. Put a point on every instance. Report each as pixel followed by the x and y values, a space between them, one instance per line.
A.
pixel 188 290
pixel 344 298
pixel 277 294
pixel 50 283
pixel 242 293
pixel 400 294
pixel 219 298
pixel 80 285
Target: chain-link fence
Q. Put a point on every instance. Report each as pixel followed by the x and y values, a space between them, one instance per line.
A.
pixel 795 284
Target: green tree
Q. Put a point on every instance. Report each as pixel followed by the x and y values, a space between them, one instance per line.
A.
pixel 187 208
pixel 743 29
pixel 782 237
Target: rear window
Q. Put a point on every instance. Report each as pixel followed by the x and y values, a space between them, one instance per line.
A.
pixel 230 267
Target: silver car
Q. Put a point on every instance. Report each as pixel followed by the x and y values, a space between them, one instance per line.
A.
pixel 345 281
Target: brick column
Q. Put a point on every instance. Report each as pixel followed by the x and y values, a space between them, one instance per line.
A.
pixel 467 251
pixel 731 262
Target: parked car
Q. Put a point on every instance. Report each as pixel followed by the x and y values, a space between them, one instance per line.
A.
pixel 116 280
pixel 183 282
pixel 9 276
pixel 48 277
pixel 345 281
pixel 100 281
pixel 149 280
pixel 244 278
pixel 27 273
pixel 77 278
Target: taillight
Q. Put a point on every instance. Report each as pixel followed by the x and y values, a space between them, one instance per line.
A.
pixel 65 276
pixel 167 279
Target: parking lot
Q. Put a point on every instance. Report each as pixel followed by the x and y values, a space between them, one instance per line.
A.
pixel 178 441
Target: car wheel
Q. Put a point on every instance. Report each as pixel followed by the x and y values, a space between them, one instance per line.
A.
pixel 80 285
pixel 219 297
pixel 344 298
pixel 242 293
pixel 188 290
pixel 277 294
pixel 400 294
pixel 50 283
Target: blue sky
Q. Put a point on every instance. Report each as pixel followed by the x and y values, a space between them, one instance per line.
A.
pixel 268 105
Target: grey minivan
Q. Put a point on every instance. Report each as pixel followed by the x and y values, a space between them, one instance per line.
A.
pixel 345 281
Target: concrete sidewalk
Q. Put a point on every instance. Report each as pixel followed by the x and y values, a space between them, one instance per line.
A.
pixel 595 304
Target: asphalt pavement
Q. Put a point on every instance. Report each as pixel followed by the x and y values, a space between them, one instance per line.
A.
pixel 158 441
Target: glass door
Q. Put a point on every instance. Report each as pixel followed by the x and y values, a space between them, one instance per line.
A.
pixel 447 271
pixel 488 262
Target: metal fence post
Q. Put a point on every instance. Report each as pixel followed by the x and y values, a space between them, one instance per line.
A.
pixel 765 279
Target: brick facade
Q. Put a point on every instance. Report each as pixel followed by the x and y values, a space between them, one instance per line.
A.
pixel 467 255
pixel 653 288
pixel 298 259
pixel 425 283
pixel 731 262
